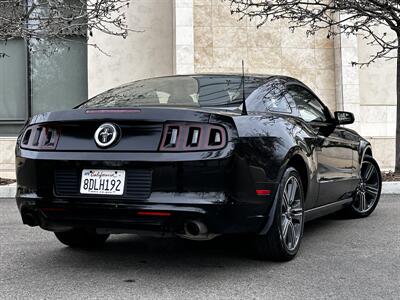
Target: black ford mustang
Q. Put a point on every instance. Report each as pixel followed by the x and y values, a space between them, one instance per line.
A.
pixel 185 155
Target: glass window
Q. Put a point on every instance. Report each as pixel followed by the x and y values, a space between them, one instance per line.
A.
pixel 200 91
pixel 269 97
pixel 13 81
pixel 309 107
pixel 59 75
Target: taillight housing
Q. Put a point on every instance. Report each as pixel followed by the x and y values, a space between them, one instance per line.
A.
pixel 40 137
pixel 192 137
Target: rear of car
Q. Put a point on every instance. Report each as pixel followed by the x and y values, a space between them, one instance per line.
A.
pixel 121 163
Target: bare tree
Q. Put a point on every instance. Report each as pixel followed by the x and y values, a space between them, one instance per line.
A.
pixel 57 20
pixel 378 21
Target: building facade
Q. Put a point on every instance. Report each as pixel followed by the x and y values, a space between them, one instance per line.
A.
pixel 199 36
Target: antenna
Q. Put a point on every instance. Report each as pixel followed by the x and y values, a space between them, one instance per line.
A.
pixel 244 109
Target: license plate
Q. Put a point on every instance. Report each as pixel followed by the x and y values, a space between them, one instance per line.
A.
pixel 103 182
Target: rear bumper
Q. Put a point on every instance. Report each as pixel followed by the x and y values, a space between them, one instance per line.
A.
pixel 220 192
pixel 162 213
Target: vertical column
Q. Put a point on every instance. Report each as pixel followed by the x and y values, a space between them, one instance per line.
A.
pixel 184 40
pixel 347 77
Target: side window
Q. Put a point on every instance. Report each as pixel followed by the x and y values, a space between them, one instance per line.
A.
pixel 269 97
pixel 310 109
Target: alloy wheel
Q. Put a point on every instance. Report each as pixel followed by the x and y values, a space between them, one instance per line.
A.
pixel 368 189
pixel 291 214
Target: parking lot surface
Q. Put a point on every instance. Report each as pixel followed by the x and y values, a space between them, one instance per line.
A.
pixel 339 259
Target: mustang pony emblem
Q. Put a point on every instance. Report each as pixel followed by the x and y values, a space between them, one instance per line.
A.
pixel 106 135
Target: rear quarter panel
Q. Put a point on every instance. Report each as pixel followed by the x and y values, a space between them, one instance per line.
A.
pixel 268 142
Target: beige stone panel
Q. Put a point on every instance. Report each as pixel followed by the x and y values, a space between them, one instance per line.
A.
pixel 347 41
pixel 297 39
pixel 378 129
pixel 262 58
pixel 378 83
pixel 203 37
pixel 325 79
pixel 202 15
pixel 349 56
pixel 202 2
pixel 322 40
pixel 219 2
pixel 293 58
pixel 229 37
pixel 184 54
pixel 264 70
pixel 219 70
pixel 203 70
pixel 384 151
pixel 351 93
pixel 271 24
pixel 307 76
pixel 264 37
pixel 184 16
pixel 324 59
pixel 391 113
pixel 365 49
pixel 373 114
pixel 229 57
pixel 183 3
pixel 350 75
pixel 203 57
pixel 145 54
pixel 221 17
pixel 185 35
pixel 182 69
pixel 391 129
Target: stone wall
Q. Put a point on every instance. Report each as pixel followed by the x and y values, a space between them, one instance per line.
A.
pixel 147 53
pixel 221 42
pixel 378 104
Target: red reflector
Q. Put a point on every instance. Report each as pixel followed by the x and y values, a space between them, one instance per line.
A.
pixel 263 192
pixel 154 213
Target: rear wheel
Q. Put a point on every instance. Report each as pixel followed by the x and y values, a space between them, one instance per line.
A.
pixel 81 238
pixel 368 192
pixel 282 241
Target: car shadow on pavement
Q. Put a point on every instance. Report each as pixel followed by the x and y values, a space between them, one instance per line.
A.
pixel 136 252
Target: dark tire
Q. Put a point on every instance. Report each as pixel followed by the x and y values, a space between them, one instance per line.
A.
pixel 81 238
pixel 368 193
pixel 283 239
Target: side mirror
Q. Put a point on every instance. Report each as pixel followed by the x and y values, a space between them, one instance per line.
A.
pixel 344 117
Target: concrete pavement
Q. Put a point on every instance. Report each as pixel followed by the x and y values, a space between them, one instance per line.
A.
pixel 339 259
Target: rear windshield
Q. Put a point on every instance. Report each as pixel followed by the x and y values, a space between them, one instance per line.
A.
pixel 200 91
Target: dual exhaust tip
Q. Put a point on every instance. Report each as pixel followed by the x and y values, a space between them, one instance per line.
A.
pixel 196 230
pixel 193 230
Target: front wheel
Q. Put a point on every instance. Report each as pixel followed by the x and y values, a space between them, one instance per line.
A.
pixel 368 192
pixel 81 238
pixel 282 241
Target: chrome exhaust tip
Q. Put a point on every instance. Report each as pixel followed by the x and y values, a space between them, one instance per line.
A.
pixel 196 230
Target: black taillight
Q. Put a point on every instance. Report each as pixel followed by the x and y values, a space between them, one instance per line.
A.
pixel 192 137
pixel 40 137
